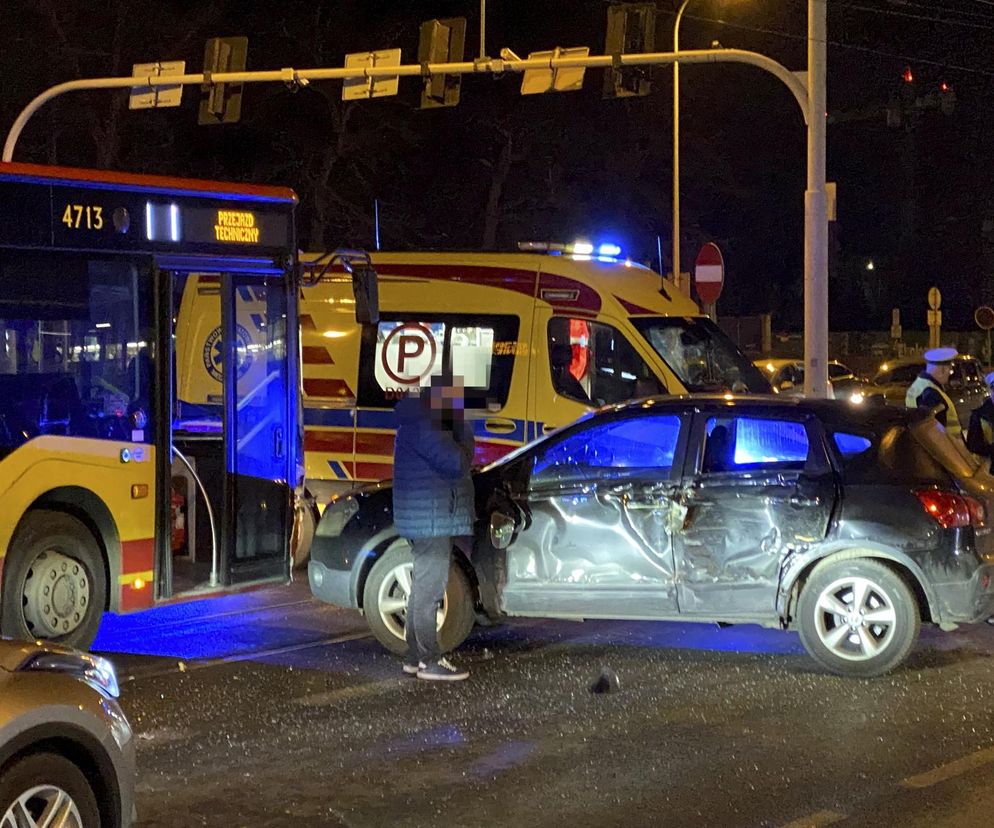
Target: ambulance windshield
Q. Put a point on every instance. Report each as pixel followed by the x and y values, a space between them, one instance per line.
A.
pixel 701 355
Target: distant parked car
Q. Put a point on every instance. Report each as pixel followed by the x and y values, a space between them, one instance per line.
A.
pixel 786 376
pixel 966 382
pixel 66 751
pixel 851 524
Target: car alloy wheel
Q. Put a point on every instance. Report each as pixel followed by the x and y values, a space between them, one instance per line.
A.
pixel 392 598
pixel 43 805
pixel 855 618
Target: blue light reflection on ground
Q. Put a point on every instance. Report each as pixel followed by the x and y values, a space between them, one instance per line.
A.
pixel 239 624
pixel 207 628
pixel 508 756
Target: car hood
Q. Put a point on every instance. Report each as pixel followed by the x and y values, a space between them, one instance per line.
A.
pixel 14 653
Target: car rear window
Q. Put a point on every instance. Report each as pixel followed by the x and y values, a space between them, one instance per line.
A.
pixel 891 455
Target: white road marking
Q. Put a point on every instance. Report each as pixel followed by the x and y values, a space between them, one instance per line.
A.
pixel 182 666
pixel 949 770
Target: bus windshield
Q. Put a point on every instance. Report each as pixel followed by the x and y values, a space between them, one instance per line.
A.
pixel 701 355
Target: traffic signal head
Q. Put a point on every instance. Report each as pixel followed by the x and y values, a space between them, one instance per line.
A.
pixel 442 41
pixel 631 29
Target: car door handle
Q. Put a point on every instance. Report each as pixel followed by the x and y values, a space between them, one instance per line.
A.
pixel 499 425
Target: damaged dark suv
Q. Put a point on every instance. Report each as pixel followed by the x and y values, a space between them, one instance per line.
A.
pixel 851 524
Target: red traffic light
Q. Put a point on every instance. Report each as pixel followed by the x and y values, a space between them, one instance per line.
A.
pixel 907 76
pixel 944 87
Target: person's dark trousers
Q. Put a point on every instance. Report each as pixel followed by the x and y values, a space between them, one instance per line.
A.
pixel 431 576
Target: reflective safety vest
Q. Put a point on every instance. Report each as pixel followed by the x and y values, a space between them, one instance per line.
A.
pixel 921 383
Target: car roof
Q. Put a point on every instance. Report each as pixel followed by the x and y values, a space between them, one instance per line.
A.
pixel 901 362
pixel 832 412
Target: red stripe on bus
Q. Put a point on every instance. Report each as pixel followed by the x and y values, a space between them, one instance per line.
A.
pixel 373 471
pixel 372 443
pixel 149 181
pixel 327 388
pixel 137 555
pixel 635 310
pixel 488 452
pixel 520 281
pixel 136 599
pixel 307 322
pixel 316 355
pixel 332 442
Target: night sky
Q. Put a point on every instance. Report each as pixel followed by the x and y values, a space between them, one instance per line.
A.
pixel 915 197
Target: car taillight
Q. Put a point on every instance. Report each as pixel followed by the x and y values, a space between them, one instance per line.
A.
pixel 978 514
pixel 950 510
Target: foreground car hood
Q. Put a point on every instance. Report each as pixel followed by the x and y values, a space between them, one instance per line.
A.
pixel 14 653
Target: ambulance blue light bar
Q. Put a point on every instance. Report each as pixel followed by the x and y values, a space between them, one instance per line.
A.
pixel 607 251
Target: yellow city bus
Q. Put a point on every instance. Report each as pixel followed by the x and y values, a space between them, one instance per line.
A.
pixel 118 493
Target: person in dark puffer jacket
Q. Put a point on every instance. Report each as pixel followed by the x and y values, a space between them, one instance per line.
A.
pixel 432 503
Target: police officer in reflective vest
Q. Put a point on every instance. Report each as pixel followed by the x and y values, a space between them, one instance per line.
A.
pixel 929 389
pixel 980 435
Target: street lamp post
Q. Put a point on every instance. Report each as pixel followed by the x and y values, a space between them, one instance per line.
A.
pixel 677 278
pixel 815 202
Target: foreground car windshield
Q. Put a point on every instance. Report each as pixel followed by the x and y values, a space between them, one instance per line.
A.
pixel 700 354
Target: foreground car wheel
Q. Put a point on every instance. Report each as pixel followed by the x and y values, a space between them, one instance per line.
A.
pixel 858 617
pixel 46 789
pixel 388 589
pixel 55 586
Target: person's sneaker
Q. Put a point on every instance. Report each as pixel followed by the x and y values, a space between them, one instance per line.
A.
pixel 411 668
pixel 441 670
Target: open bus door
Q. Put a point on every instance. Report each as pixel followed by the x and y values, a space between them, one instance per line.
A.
pixel 235 427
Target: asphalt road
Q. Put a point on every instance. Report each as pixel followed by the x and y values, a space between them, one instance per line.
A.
pixel 268 709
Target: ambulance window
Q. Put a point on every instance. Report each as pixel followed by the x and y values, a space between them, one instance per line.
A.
pixel 595 364
pixel 402 354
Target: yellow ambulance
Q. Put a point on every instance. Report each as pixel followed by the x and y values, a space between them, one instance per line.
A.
pixel 539 338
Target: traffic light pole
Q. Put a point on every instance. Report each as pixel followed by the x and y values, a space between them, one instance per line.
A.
pixel 810 98
pixel 815 210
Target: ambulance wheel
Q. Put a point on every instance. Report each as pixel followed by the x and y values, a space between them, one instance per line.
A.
pixel 54 581
pixel 388 588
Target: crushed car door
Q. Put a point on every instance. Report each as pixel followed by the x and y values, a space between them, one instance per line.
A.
pixel 757 486
pixel 596 541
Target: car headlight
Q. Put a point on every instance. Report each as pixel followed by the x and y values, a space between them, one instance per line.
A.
pixel 95 671
pixel 857 398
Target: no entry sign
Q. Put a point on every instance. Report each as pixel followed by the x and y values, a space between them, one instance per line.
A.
pixel 709 273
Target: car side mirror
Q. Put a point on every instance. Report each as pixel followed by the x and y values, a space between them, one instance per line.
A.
pixel 501 530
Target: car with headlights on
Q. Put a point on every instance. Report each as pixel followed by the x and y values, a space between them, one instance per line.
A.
pixel 966 385
pixel 851 524
pixel 67 755
pixel 786 376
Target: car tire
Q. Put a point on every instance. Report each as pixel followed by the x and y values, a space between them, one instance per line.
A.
pixel 32 783
pixel 858 617
pixel 384 593
pixel 54 581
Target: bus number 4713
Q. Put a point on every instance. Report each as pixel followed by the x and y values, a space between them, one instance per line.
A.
pixel 83 217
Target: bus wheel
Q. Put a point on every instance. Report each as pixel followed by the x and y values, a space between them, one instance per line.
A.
pixel 54 581
pixel 385 602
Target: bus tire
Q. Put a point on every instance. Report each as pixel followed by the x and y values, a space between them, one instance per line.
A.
pixel 388 622
pixel 54 581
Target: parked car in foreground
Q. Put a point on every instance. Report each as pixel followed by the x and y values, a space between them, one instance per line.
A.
pixel 851 524
pixel 966 382
pixel 66 751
